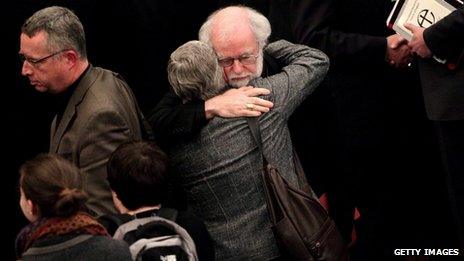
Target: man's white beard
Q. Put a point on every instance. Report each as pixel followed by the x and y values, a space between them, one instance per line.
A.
pixel 239 83
pixel 250 76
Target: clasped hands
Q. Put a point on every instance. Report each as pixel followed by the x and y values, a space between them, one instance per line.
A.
pixel 399 54
pixel 400 51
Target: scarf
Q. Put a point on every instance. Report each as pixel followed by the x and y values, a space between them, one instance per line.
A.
pixel 78 224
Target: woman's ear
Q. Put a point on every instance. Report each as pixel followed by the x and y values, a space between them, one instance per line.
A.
pixel 30 210
pixel 33 208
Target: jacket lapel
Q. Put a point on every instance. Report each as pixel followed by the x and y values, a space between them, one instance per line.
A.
pixel 57 132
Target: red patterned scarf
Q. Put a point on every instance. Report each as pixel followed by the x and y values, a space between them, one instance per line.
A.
pixel 79 224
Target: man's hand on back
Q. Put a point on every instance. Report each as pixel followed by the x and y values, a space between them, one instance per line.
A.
pixel 241 102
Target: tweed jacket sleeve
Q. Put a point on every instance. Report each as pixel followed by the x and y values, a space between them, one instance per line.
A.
pixel 304 68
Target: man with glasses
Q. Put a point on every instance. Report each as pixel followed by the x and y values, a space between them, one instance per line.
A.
pixel 95 109
pixel 220 168
pixel 174 121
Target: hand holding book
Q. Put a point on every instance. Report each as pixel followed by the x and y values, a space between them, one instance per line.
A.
pixel 421 13
pixel 417 43
pixel 410 18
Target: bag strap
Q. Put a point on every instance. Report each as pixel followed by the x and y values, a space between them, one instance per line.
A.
pixel 168 213
pixel 256 132
pixel 125 227
pixel 146 243
pixel 302 180
pixel 57 247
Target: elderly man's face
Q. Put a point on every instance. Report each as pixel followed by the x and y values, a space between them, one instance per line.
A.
pixel 243 48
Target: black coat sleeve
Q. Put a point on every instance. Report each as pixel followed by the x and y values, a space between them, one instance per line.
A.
pixel 446 38
pixel 172 120
pixel 315 23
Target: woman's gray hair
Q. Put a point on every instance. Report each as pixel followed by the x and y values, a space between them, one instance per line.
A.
pixel 63 27
pixel 194 72
pixel 258 23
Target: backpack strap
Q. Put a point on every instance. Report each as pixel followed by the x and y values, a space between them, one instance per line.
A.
pixel 146 243
pixel 57 247
pixel 112 221
pixel 167 213
pixel 187 243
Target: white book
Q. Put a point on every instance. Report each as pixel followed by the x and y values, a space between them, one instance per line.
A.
pixel 422 13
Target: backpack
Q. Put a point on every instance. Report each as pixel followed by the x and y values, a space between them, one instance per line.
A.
pixel 157 238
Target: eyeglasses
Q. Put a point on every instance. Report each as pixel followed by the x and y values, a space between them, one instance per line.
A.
pixel 37 61
pixel 245 59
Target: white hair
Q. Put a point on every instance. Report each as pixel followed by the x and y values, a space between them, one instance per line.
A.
pixel 194 72
pixel 258 23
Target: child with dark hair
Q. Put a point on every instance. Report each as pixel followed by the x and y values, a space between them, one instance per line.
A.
pixel 52 199
pixel 138 177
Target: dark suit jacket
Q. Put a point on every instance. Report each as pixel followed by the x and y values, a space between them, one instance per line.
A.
pixel 351 32
pixel 444 88
pixel 100 115
pixel 365 89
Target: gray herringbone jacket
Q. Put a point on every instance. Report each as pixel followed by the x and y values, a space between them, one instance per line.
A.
pixel 221 167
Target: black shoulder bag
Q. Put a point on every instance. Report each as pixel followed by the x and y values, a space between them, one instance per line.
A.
pixel 301 226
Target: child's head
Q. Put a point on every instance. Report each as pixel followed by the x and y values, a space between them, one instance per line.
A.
pixel 137 173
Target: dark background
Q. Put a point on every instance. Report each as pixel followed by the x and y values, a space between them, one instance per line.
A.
pixel 135 38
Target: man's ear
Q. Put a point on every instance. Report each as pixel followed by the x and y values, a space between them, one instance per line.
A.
pixel 71 57
pixel 118 204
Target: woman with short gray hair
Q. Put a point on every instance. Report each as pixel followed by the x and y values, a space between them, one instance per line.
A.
pixel 194 72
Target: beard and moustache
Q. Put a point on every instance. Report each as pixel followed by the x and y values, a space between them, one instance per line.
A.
pixel 240 80
pixel 234 80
